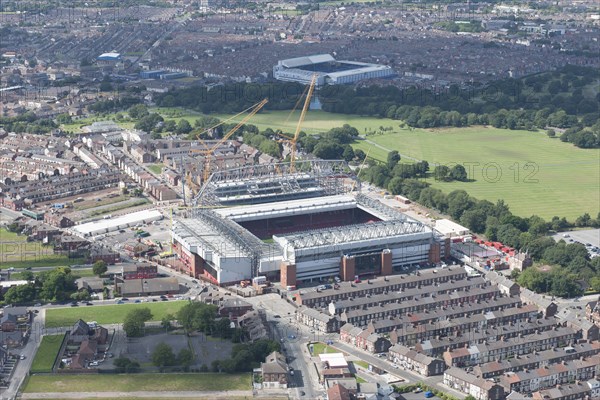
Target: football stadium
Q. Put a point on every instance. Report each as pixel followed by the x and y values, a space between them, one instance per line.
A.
pixel 329 71
pixel 297 224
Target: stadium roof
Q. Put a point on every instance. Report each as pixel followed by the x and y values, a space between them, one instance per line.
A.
pixel 287 208
pixel 352 233
pixel 308 60
pixel 109 56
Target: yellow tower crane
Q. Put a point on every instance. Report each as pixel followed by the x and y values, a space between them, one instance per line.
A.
pixel 208 152
pixel 292 140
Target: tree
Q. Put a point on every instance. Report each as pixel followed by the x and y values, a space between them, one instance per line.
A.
pixel 57 285
pixel 99 268
pixel 361 155
pixel 106 86
pixel 165 322
pixel 63 119
pixel 458 202
pixel 441 173
pixel 458 173
pixel 551 133
pixel 348 153
pixel 197 316
pixel 125 365
pixel 135 320
pixel 185 358
pixel 27 276
pixel 328 150
pixel 20 294
pixel 138 111
pixel 163 356
pixel 393 158
pixel 183 127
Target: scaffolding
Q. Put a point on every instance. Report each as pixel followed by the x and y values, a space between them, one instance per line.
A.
pixel 376 205
pixel 276 182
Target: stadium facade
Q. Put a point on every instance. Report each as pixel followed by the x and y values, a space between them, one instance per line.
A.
pixel 328 70
pixel 301 224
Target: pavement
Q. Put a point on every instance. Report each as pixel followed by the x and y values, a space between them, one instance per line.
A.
pixel 294 338
pixel 140 394
pixel 23 366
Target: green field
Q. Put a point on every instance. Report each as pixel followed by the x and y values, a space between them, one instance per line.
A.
pixel 321 348
pixel 156 168
pixel 79 273
pixel 536 174
pixel 16 252
pixel 46 354
pixel 225 396
pixel 531 172
pixel 113 314
pixel 135 382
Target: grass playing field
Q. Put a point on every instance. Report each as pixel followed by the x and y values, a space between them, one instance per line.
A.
pixel 46 354
pixel 135 382
pixel 531 172
pixel 113 314
pixel 16 252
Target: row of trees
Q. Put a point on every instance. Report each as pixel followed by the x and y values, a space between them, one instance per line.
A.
pixel 571 261
pixel 57 285
pixel 233 97
pixel 27 123
pixel 246 356
pixel 163 356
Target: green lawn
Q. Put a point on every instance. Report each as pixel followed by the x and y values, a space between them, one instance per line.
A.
pixel 84 205
pixel 321 348
pixel 363 364
pixel 536 174
pixel 113 314
pixel 174 396
pixel 80 273
pixel 359 379
pixel 135 382
pixel 16 252
pixel 46 354
pixel 156 168
pixel 119 206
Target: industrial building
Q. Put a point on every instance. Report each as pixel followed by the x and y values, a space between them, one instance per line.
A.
pixel 329 71
pixel 292 226
pixel 114 224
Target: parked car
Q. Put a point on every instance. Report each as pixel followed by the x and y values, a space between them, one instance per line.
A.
pixel 429 394
pixel 22 357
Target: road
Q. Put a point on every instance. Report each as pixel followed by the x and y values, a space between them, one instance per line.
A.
pixel 23 366
pixel 294 338
pixel 408 376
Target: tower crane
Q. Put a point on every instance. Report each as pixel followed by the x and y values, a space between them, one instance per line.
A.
pixel 292 140
pixel 207 152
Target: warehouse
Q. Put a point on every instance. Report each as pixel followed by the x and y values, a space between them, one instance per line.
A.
pixel 114 224
pixel 329 71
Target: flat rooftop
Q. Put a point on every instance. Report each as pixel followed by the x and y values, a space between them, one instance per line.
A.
pixel 122 221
